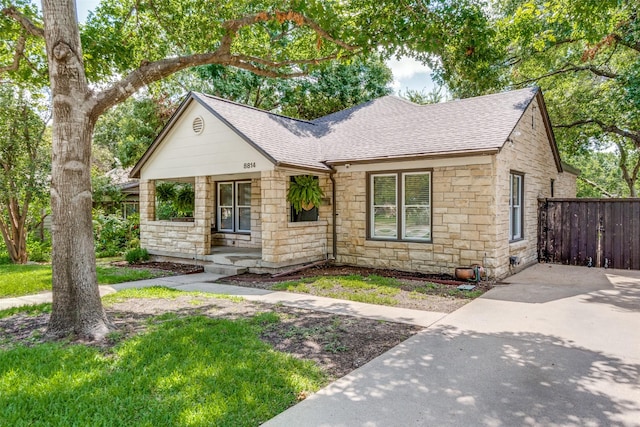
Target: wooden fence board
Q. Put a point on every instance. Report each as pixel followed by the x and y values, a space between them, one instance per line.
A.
pixel 580 231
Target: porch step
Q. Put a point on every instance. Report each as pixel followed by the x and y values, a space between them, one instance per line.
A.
pixel 226 269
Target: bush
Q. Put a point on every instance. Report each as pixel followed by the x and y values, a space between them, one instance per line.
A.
pixel 113 233
pixel 39 250
pixel 136 255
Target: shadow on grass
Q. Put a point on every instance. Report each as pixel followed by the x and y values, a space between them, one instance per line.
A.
pixel 193 371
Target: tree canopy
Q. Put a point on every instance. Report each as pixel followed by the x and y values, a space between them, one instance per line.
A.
pixel 585 55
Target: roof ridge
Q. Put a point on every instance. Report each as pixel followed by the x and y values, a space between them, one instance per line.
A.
pixel 206 95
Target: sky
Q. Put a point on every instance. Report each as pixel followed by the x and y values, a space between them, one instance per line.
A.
pixel 407 72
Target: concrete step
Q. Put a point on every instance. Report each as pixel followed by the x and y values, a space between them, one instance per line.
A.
pixel 226 269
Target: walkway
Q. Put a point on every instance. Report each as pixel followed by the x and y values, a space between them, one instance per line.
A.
pixel 204 282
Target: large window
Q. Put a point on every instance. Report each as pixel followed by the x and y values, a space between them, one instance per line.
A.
pixel 234 206
pixel 400 206
pixel 515 206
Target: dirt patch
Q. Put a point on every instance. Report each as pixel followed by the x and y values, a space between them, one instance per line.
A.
pixel 337 343
pixel 418 291
pixel 167 268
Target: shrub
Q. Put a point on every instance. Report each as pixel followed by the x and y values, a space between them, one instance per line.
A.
pixel 39 250
pixel 136 255
pixel 113 233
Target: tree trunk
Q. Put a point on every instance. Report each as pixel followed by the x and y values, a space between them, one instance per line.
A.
pixel 15 238
pixel 77 308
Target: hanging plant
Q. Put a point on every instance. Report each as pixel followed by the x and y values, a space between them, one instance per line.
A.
pixel 185 200
pixel 305 193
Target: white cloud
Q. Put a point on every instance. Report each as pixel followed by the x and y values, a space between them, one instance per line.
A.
pixel 409 73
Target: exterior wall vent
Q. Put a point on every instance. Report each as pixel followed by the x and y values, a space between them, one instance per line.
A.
pixel 197 125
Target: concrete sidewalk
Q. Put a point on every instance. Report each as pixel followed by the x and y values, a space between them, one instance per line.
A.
pixel 204 282
pixel 559 346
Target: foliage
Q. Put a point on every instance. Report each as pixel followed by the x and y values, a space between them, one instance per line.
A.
pixel 423 98
pixel 191 371
pixel 174 200
pixel 24 166
pixel 585 56
pixel 304 190
pixel 128 130
pixel 114 234
pixel 136 255
pixel 332 87
pixel 38 250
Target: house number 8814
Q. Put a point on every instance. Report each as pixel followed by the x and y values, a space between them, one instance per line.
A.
pixel 250 165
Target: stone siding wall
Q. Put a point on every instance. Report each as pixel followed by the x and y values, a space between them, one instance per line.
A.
pixel 528 152
pixel 566 185
pixel 284 242
pixel 462 230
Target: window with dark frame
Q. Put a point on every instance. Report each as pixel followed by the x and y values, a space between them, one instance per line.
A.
pixel 516 213
pixel 234 207
pixel 400 206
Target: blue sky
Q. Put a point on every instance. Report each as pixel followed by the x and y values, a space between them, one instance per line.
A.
pixel 407 73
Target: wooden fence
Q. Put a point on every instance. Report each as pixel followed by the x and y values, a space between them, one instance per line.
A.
pixel 590 232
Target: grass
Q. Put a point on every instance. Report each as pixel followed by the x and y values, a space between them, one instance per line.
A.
pixel 182 372
pixel 160 292
pixel 32 310
pixel 372 289
pixel 18 280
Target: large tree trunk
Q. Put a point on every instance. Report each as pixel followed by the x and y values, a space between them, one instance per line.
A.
pixel 77 308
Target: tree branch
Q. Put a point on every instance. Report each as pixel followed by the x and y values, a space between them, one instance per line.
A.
pixel 597 187
pixel 20 45
pixel 25 22
pixel 150 72
pixel 634 136
pixel 569 68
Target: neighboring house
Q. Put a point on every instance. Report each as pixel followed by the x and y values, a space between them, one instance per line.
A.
pixel 421 188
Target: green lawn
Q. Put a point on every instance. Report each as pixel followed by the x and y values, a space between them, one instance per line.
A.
pixel 372 289
pixel 18 280
pixel 193 371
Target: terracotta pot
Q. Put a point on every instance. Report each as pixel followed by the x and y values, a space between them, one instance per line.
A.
pixel 465 273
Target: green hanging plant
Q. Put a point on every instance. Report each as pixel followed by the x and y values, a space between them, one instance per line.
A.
pixel 304 193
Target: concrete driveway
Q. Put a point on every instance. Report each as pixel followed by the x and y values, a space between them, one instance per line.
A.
pixel 558 346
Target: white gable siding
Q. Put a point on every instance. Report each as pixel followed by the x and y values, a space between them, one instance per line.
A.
pixel 217 150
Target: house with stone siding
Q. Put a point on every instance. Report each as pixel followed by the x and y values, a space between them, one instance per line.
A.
pixel 410 187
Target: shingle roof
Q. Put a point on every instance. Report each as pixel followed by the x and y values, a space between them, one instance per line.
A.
pixel 387 127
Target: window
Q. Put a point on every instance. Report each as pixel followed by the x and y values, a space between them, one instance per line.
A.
pixel 234 206
pixel 515 206
pixel 400 206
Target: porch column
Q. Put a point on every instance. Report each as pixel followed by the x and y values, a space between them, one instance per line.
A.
pixel 147 200
pixel 203 214
pixel 274 215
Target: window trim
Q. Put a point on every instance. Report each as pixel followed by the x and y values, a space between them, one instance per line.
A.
pixel 400 205
pixel 235 207
pixel 515 237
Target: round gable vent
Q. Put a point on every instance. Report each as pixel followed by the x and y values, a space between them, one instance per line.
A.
pixel 197 125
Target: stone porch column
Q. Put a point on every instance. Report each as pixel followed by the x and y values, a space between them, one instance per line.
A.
pixel 147 200
pixel 274 214
pixel 203 214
